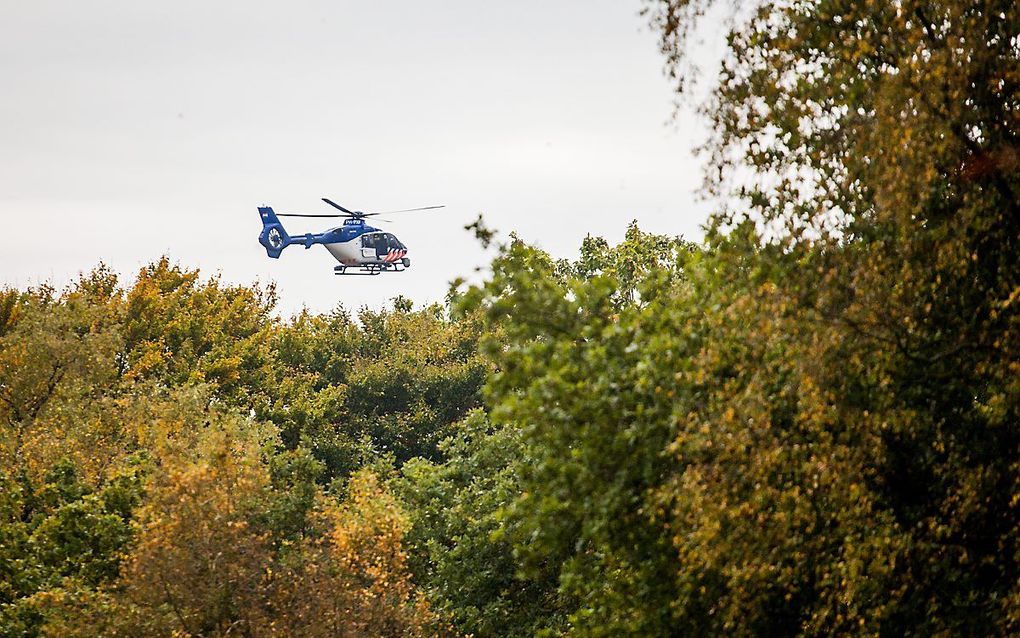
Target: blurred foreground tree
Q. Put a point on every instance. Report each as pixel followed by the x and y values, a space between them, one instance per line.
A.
pixel 815 429
pixel 884 143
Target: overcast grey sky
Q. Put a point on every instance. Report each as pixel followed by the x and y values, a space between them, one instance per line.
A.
pixel 130 129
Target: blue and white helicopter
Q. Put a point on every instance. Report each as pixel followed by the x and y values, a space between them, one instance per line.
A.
pixel 356 245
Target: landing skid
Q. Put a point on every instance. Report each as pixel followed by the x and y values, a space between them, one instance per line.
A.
pixel 368 269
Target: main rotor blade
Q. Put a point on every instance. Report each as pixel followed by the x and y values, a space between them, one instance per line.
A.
pixel 338 206
pixel 405 210
pixel 300 215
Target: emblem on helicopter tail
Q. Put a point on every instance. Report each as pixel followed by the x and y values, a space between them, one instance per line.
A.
pixel 275 239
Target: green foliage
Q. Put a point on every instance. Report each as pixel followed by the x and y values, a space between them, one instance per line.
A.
pixel 293 475
pixel 628 263
pixel 587 371
pixel 389 385
pixel 458 551
pixel 59 534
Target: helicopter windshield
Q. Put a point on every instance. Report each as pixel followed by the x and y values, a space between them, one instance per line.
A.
pixel 382 242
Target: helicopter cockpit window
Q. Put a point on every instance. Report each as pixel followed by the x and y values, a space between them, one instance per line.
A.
pixel 391 242
pixel 368 241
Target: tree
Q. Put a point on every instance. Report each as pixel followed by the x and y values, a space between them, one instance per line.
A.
pixel 815 430
pixel 459 552
pixel 206 562
pixel 392 383
pixel 178 329
pixel 141 493
pixel 583 362
pixel 60 534
pixel 53 352
pixel 882 144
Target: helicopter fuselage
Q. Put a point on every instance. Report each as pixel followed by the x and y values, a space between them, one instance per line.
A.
pixel 372 246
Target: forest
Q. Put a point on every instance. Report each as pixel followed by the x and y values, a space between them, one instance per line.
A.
pixel 804 424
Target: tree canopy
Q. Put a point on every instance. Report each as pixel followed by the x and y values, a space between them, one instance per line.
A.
pixel 805 424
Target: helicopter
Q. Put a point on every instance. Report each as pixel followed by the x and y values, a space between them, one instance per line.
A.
pixel 360 248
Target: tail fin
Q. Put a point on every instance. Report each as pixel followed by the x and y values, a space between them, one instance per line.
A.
pixel 273 236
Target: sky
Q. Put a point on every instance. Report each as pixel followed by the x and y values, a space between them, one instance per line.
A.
pixel 130 130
